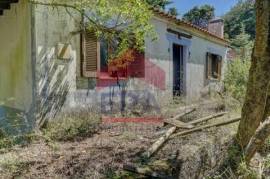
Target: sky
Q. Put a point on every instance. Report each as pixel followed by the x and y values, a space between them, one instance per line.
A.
pixel 221 6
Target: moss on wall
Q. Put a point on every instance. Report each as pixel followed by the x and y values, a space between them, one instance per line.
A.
pixel 15 57
pixel 16 85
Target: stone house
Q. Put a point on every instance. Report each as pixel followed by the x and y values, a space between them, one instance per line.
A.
pixel 47 67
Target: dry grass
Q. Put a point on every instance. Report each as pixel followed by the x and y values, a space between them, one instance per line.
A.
pixel 81 147
pixel 72 126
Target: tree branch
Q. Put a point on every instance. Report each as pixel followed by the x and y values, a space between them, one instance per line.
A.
pixel 80 11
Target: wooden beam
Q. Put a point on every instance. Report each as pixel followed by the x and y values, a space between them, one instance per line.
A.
pixel 234 120
pixel 204 119
pixel 175 120
pixel 165 137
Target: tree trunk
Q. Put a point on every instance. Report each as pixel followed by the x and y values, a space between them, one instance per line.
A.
pixel 253 111
pixel 267 107
pixel 257 140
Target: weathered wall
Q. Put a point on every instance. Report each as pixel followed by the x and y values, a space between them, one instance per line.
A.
pixel 196 48
pixel 60 86
pixel 16 87
pixel 55 77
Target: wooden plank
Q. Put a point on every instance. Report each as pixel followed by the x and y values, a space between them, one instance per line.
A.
pixel 159 142
pixel 204 119
pixel 165 137
pixel 206 127
pixel 178 123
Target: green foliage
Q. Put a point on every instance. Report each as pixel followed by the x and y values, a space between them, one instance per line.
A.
pixel 235 154
pixel 242 44
pixel 236 78
pixel 245 172
pixel 127 21
pixel 159 3
pixel 242 14
pixel 8 142
pixel 200 16
pixel 173 11
pixel 14 165
pixel 72 126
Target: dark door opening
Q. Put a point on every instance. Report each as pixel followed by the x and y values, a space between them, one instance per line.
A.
pixel 178 70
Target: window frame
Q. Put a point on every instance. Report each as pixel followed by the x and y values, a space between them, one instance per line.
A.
pixel 209 66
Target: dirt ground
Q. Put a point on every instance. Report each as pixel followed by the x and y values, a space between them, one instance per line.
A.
pixel 103 155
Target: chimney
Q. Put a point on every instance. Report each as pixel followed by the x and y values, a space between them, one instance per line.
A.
pixel 216 26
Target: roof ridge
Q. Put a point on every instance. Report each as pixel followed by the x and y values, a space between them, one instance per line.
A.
pixel 167 15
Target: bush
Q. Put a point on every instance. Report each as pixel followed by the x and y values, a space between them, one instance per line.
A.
pixel 7 142
pixel 236 78
pixel 72 126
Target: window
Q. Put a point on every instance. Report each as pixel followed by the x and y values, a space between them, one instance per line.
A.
pixel 90 57
pixel 213 66
pixel 96 63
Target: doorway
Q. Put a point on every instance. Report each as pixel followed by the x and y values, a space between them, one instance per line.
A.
pixel 178 69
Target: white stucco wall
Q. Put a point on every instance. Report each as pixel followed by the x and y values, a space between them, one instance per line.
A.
pixel 160 52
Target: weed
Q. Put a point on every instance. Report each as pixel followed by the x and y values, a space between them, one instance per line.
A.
pixel 14 165
pixel 236 78
pixel 245 172
pixel 68 127
pixel 8 142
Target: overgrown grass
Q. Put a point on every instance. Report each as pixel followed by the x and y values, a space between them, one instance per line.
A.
pixel 236 78
pixel 7 142
pixel 14 166
pixel 72 126
pixel 66 127
pixel 244 171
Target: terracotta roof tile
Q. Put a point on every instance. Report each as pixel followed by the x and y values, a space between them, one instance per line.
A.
pixel 179 21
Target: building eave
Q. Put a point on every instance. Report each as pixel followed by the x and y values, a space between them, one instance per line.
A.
pixel 189 28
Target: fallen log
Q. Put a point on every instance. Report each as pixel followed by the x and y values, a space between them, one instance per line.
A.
pixel 175 120
pixel 204 119
pixel 206 127
pixel 165 137
pixel 257 140
pixel 159 142
pixel 187 111
pixel 178 123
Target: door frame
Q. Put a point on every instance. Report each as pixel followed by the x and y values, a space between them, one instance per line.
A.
pixel 186 43
pixel 178 65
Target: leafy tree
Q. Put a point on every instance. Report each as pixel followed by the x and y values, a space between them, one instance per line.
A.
pixel 173 11
pixel 242 44
pixel 242 14
pixel 159 3
pixel 128 21
pixel 200 16
pixel 236 78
